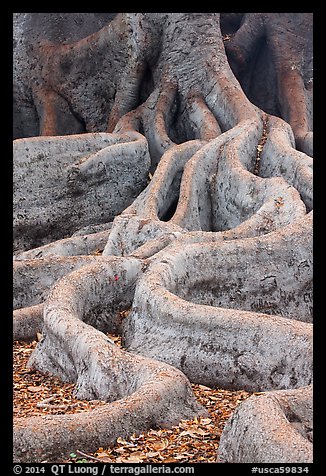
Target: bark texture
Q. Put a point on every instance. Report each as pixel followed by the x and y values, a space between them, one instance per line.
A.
pixel 277 426
pixel 172 176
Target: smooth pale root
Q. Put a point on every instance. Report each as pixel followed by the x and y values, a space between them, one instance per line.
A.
pixel 234 369
pixel 33 278
pixel 64 183
pixel 226 313
pixel 27 322
pixel 32 281
pixel 275 427
pixel 211 188
pixel 218 191
pixel 143 221
pixel 213 195
pixel 143 393
pixel 84 244
pixel 279 158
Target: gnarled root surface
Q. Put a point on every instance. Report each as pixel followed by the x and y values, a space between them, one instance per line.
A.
pixel 276 426
pixel 64 183
pixel 144 393
pixel 225 319
pixel 213 255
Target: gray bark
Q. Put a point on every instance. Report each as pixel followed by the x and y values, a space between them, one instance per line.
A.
pixel 275 427
pixel 247 311
pixel 159 153
pixel 72 182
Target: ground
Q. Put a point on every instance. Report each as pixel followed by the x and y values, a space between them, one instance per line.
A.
pixel 191 441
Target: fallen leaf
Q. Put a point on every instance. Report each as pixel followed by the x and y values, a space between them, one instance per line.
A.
pixel 121 441
pixel 205 421
pixel 203 387
pixel 36 389
pixel 152 454
pixel 138 454
pixel 131 459
pixel 122 449
pixel 191 433
pixel 178 457
pixel 160 445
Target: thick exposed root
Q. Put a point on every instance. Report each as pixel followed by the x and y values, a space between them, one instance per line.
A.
pixel 279 158
pixel 27 322
pixel 148 217
pixel 85 244
pixel 214 256
pixel 218 191
pixel 212 188
pixel 288 39
pixel 202 121
pixel 80 307
pixel 78 181
pixel 275 427
pixel 221 288
pixel 155 114
pixel 33 278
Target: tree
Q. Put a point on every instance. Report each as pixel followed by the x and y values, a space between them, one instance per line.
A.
pixel 180 145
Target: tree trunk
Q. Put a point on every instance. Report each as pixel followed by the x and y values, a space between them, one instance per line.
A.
pixel 176 181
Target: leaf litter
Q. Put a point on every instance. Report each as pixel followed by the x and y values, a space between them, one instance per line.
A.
pixel 191 441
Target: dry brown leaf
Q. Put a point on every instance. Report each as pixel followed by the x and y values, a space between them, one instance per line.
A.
pixel 122 449
pixel 100 453
pixel 195 433
pixel 131 459
pixel 121 441
pixel 152 454
pixel 203 387
pixel 191 441
pixel 138 454
pixel 205 421
pixel 36 389
pixel 160 445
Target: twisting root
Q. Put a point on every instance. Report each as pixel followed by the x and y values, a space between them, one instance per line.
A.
pixel 262 425
pixel 279 158
pixel 99 368
pixel 212 239
pixel 203 123
pixel 27 322
pixel 194 187
pixel 33 278
pixel 288 38
pixel 116 165
pixel 86 244
pixel 220 287
pixel 155 117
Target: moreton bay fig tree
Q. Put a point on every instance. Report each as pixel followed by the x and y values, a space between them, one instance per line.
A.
pixel 163 192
